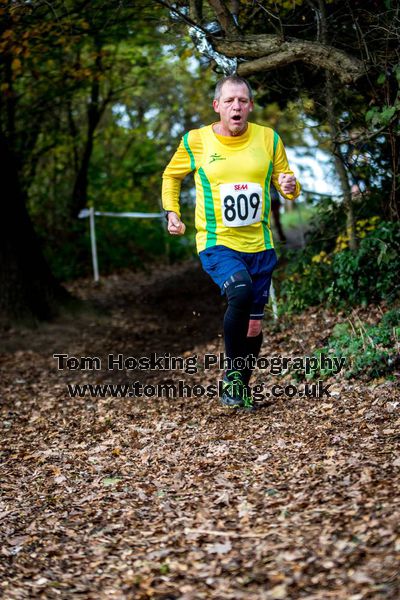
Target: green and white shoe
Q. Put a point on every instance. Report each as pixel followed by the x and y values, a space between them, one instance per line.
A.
pixel 234 392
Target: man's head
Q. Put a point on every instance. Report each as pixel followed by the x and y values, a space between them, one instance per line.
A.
pixel 233 100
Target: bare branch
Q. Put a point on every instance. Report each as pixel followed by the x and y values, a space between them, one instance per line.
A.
pixel 270 52
pixel 270 14
pixel 224 17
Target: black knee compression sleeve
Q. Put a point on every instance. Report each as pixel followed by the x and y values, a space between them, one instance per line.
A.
pixel 253 347
pixel 239 292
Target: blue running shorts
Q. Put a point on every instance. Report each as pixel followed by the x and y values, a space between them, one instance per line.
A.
pixel 223 263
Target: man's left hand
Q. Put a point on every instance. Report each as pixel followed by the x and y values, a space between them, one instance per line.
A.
pixel 287 183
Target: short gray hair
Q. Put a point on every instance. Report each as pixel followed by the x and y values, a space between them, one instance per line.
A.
pixel 232 79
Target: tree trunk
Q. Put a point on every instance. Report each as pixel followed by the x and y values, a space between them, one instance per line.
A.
pixel 94 113
pixel 28 290
pixel 339 165
pixel 79 194
pixel 394 199
pixel 337 154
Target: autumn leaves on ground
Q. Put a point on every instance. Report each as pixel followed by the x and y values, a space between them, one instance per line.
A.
pixel 181 498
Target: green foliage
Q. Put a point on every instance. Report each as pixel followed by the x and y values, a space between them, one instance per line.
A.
pixel 341 277
pixel 63 62
pixel 127 64
pixel 106 92
pixel 329 218
pixel 370 274
pixel 381 116
pixel 370 350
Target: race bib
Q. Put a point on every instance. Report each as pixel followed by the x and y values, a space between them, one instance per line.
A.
pixel 241 203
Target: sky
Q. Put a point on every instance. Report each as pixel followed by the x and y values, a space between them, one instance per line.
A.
pixel 315 174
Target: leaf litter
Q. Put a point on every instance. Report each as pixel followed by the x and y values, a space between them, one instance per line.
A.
pixel 180 498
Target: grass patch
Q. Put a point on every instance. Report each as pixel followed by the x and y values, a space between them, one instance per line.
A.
pixel 301 214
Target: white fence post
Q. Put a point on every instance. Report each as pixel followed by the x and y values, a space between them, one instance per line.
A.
pixel 91 213
pixel 273 302
pixel 93 244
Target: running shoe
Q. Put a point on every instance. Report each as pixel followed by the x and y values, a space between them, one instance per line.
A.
pixel 235 392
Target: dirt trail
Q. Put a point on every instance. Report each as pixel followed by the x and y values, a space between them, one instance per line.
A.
pixel 179 498
pixel 160 309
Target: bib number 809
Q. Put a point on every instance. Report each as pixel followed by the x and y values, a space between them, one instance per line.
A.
pixel 241 207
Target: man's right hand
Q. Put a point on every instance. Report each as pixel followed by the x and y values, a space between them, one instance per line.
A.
pixel 175 225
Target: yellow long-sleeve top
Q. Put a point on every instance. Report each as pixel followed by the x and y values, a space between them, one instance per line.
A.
pixel 232 178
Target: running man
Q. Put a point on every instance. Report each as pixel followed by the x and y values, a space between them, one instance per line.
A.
pixel 234 163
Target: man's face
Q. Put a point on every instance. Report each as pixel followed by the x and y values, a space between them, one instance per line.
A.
pixel 233 107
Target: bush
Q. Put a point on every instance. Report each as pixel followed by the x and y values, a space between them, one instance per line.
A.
pixel 372 273
pixel 341 277
pixel 370 350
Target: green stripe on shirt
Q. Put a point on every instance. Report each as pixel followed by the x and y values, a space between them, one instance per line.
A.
pixel 211 222
pixel 276 140
pixel 267 200
pixel 267 208
pixel 189 151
